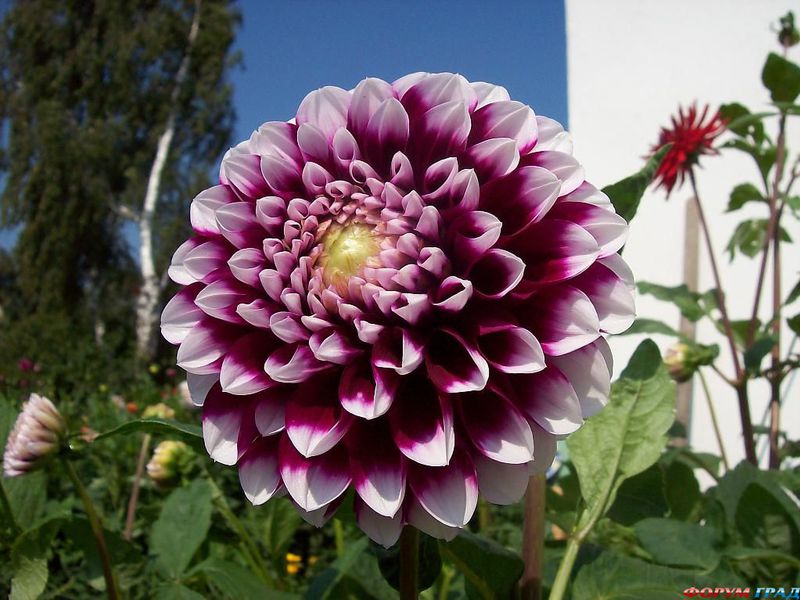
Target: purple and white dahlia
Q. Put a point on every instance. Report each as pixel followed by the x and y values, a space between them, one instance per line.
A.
pixel 402 290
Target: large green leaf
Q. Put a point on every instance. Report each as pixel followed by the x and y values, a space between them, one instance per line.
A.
pixel 749 237
pixel 781 77
pixel 355 574
pixel 176 591
pixel 627 193
pixel 181 527
pixel 29 559
pixel 651 326
pixel 30 578
pixel 677 544
pixel 235 582
pixel 639 497
pixel 692 305
pixel 681 489
pixel 491 570
pixel 188 432
pixel 628 435
pixel 742 122
pixel 742 194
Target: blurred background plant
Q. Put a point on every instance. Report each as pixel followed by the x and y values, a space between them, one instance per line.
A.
pixel 89 94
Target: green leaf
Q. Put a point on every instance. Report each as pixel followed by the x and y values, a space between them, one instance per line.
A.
pixel 677 544
pixel 614 576
pixel 681 489
pixel 692 305
pixel 742 122
pixel 627 193
pixel 763 155
pixel 234 581
pixel 29 559
pixel 742 194
pixel 794 323
pixel 30 578
pixel 354 574
pixel 181 527
pixel 651 326
pixel 80 534
pixel 628 435
pixel 743 553
pixel 429 562
pixel 749 237
pixel 491 569
pixel 782 78
pixel 794 294
pixel 188 432
pixel 756 353
pixel 280 521
pixel 639 497
pixel 176 591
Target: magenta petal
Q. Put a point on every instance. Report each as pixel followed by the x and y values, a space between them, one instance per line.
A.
pixel 422 424
pixel 259 475
pixel 442 132
pixel 563 319
pixel 546 447
pixel 319 516
pixel 488 93
pixel 313 482
pixel 380 529
pixel 505 119
pixel 326 109
pixel 474 233
pixel 277 138
pixel 220 299
pixel 228 426
pixel 366 391
pixel 200 385
pixel 204 260
pixel 501 483
pixel 243 366
pixel 202 350
pixel 270 409
pixel 512 350
pixel 420 518
pixel 589 371
pixel 315 421
pixel 454 364
pixel 293 363
pixel 237 223
pixel 334 346
pixel 204 206
pixel 246 264
pixel 421 92
pixel 589 194
pixel 520 198
pixel 610 295
pixel 552 136
pixel 608 228
pixel 377 467
pixel 387 132
pixel 367 96
pixel 453 294
pixel 554 250
pixel 493 158
pixel 496 273
pixel 243 172
pixel 181 315
pixel 498 430
pixel 283 177
pixel 548 399
pixel 562 165
pixel 177 270
pixel 313 145
pixel 398 349
pixel 449 493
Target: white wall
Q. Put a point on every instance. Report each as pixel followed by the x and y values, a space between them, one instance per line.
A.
pixel 631 62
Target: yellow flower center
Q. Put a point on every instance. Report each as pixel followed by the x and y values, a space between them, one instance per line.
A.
pixel 346 250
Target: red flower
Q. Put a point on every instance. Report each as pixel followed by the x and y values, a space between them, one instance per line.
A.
pixel 690 137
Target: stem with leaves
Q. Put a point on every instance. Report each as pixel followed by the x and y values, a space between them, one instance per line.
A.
pixel 741 375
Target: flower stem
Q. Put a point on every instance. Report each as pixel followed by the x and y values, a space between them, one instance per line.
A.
pixel 112 588
pixel 338 536
pixel 741 375
pixel 712 411
pixel 565 569
pixel 409 563
pixel 137 484
pixel 533 538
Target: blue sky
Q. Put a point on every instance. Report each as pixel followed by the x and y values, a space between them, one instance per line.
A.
pixel 291 47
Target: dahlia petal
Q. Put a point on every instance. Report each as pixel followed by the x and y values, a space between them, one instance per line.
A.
pixel 473 234
pixel 313 144
pixel 453 294
pixel 387 132
pixel 243 172
pixel 287 327
pixel 608 228
pixel 283 177
pixel 439 179
pixel 177 270
pixel 333 346
pixel 454 364
pixel 316 178
pixel 430 223
pixel 430 90
pixel 397 349
pixel 228 426
pixel 496 273
pixel 554 250
pixel 246 264
pixel 548 399
pixel 505 119
pixel 610 295
pixel 564 166
pixel 200 385
pixel 422 424
pixel 493 158
pixel 325 108
pixel 401 172
pixel 237 222
pixel 412 308
pixel 277 138
pixel 220 298
pixel 520 198
pixel 380 529
pixel 321 515
pixel 270 409
pixel 293 363
pixel 421 519
pixel 257 313
pixel 378 469
pixel 315 422
pixel 501 483
pixel 203 208
pixel 367 96
pixel 259 475
pixel 589 372
pixel 367 392
pixel 202 349
pixel 512 350
pixel 181 315
pixel 498 430
pixel 448 493
pixel 434 261
pixel 620 268
pixel 313 482
pixel 242 370
pixel 589 194
pixel 552 136
pixel 563 319
pixel 271 213
pixel 488 93
pixel 443 132
pixel 345 150
pixel 546 448
pixel 204 259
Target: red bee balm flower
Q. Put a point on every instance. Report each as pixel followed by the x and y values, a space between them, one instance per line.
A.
pixel 690 138
pixel 403 291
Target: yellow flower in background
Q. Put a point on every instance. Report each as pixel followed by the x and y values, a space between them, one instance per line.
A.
pixel 158 411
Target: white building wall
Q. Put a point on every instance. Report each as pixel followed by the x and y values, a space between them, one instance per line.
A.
pixel 630 64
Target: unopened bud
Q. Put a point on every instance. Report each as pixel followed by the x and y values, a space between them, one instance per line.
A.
pixel 36 435
pixel 170 460
pixel 682 360
pixel 158 411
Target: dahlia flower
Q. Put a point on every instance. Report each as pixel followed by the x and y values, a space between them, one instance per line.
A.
pixel 401 291
pixel 36 435
pixel 691 136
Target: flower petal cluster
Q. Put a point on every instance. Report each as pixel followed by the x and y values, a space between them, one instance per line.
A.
pixel 36 435
pixel 402 291
pixel 690 136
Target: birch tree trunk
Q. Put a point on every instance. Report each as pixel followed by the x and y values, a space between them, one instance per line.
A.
pixel 147 302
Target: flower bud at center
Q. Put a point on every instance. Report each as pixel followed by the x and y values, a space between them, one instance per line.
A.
pixel 346 250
